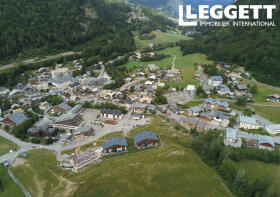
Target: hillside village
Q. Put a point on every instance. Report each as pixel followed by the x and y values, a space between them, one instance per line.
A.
pixel 56 106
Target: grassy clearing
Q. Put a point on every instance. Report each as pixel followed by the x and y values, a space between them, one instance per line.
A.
pixel 6 145
pixel 161 37
pixel 184 63
pixel 10 188
pixel 263 92
pixel 40 176
pixel 172 169
pixel 270 113
pixel 257 169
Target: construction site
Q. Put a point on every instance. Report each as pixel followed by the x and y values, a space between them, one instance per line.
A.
pixel 80 159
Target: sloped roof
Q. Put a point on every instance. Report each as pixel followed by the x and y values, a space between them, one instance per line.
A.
pixel 111 111
pixel 248 120
pixel 266 140
pixel 216 78
pixel 76 109
pixel 144 135
pixel 64 106
pixel 114 141
pixel 242 87
pixel 231 133
pixel 218 102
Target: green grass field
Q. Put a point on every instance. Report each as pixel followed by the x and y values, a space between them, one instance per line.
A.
pixel 257 169
pixel 263 92
pixel 184 63
pixel 6 145
pixel 172 169
pixel 270 113
pixel 10 188
pixel 161 37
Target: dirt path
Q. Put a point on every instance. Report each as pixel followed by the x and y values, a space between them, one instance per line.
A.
pixel 34 60
pixel 173 62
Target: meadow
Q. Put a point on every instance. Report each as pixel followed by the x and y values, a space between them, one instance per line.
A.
pixel 161 37
pixel 171 169
pixel 6 145
pixel 184 63
pixel 270 113
pixel 9 186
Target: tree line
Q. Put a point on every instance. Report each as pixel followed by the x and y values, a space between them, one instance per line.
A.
pixel 211 149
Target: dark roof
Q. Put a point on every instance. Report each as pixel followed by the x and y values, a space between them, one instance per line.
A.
pixel 18 118
pixel 76 109
pixel 111 111
pixel 64 106
pixel 114 141
pixel 144 135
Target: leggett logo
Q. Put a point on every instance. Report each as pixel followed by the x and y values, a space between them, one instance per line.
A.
pixel 232 12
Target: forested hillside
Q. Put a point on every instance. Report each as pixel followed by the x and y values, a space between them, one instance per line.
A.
pixel 95 27
pixel 256 48
pixel 41 26
pixel 170 7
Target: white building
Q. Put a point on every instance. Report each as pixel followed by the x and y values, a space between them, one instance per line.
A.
pixel 273 129
pixel 215 81
pixel 111 114
pixel 231 135
pixel 246 122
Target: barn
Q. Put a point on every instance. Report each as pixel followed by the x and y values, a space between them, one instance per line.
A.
pixel 145 139
pixel 114 145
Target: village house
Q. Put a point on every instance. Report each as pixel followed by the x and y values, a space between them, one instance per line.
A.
pixel 273 129
pixel 246 122
pixel 193 111
pixel 62 108
pixel 231 135
pixel 68 122
pixel 218 118
pixel 206 116
pixel 15 119
pixel 139 107
pixel 151 108
pixel 114 145
pixel 33 81
pixel 44 105
pixel 215 81
pixel 273 98
pixel 145 139
pixel 224 90
pixel 212 104
pixel 192 123
pixel 85 131
pixel 266 142
pixel 200 126
pixel 152 67
pixel 241 87
pixel 111 114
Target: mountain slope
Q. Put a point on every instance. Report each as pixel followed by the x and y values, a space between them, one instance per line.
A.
pixel 29 26
pixel 256 48
pixel 170 7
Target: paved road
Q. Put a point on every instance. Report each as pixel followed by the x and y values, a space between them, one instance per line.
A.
pixel 36 60
pixel 101 73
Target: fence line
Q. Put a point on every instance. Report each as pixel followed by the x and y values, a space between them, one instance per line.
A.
pixel 18 183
